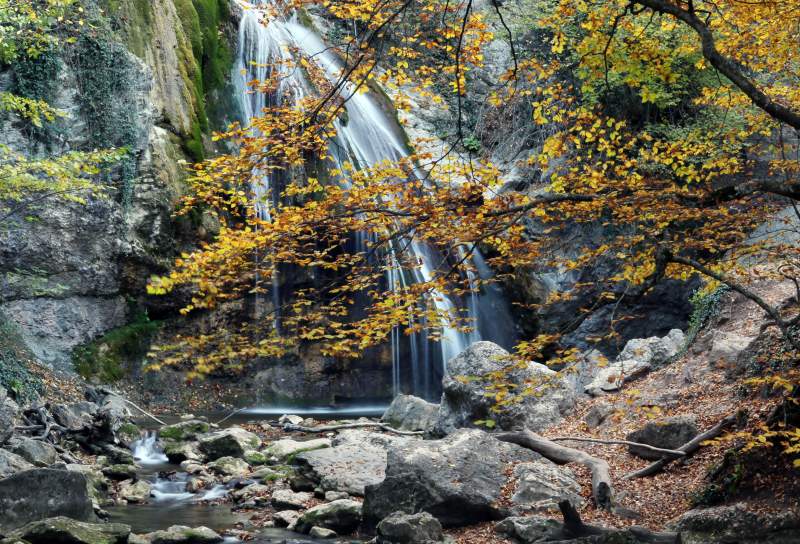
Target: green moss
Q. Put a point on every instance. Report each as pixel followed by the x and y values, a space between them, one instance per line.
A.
pixel 134 19
pixel 108 357
pixel 15 375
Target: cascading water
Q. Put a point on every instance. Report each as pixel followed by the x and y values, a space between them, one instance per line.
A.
pixel 146 450
pixel 368 137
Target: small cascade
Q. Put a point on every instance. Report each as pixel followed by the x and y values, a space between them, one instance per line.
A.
pixel 170 490
pixel 368 137
pixel 147 451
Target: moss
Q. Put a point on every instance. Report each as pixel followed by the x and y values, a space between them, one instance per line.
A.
pixel 108 357
pixel 15 375
pixel 134 18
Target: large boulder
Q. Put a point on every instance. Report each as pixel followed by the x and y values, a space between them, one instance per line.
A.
pixel 400 528
pixel 64 530
pixel 42 493
pixel 38 452
pixel 180 534
pixel 464 398
pixel 232 442
pixel 541 485
pixel 356 460
pixel 458 479
pixel 136 491
pixel 410 413
pixel 184 430
pixel 11 463
pixel 342 516
pixel 728 524
pixel 287 448
pixel 229 466
pixel 75 417
pixel 669 433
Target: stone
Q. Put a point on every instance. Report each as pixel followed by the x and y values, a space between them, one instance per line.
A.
pixel 11 463
pixel 43 493
pixel 269 474
pixel 286 448
pixel 96 482
pixel 531 529
pixel 331 496
pixel 612 377
pixel 254 457
pixel 8 416
pixel 465 401
pixel 735 523
pixel 230 466
pixel 726 347
pixel 75 417
pixel 284 499
pixel 117 455
pixel 322 532
pixel 286 518
pixel 38 452
pixel 184 430
pixel 541 485
pixel 458 479
pixel 63 530
pixel 400 528
pixel 251 492
pixel 134 491
pixel 120 472
pixel 231 442
pixel 291 419
pixel 180 534
pixel 410 413
pixel 598 414
pixel 342 516
pixel 668 433
pixel 178 452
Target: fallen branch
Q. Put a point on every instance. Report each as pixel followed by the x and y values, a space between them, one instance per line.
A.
pixel 674 453
pixel 688 449
pixel 574 527
pixel 142 410
pixel 602 490
pixel 327 428
pixel 226 418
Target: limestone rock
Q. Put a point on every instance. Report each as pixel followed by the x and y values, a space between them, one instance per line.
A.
pixel 464 401
pixel 342 516
pixel 120 472
pixel 75 417
pixel 541 485
pixel 598 414
pixel 286 518
pixel 251 492
pixel 180 534
pixel 69 531
pixel 231 442
pixel 230 466
pixel 43 493
pixel 178 452
pixel 11 463
pixel 134 491
pixel 400 528
pixel 322 532
pixel 290 419
pixel 668 433
pixel 727 346
pixel 734 523
pixel 184 430
pixel 410 413
pixel 282 449
pixel 284 499
pixel 458 479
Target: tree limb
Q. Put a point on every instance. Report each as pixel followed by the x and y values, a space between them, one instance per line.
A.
pixel 327 428
pixel 671 453
pixel 602 489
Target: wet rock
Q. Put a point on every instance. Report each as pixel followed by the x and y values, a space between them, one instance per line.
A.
pixel 410 413
pixel 726 524
pixel 400 528
pixel 286 518
pixel 42 493
pixel 63 530
pixel 117 455
pixel 178 452
pixel 232 442
pixel 541 485
pixel 180 534
pixel 458 479
pixel 120 472
pixel 134 491
pixel 286 448
pixel 11 463
pixel 230 466
pixel 321 532
pixel 342 516
pixel 668 433
pixel 290 419
pixel 184 430
pixel 465 401
pixel 283 499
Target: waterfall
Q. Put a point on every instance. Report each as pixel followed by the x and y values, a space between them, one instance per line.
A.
pixel 368 137
pixel 146 450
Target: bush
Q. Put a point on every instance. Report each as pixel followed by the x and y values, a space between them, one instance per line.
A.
pixel 15 376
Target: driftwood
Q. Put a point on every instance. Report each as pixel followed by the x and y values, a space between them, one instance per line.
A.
pixel 673 453
pixel 142 410
pixel 688 449
pixel 327 428
pixel 602 490
pixel 574 527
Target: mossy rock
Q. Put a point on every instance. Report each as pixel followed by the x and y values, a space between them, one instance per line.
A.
pixel 63 529
pixel 255 457
pixel 185 430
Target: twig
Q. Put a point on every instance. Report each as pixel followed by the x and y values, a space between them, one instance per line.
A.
pixel 226 418
pixel 327 428
pixel 145 412
pixel 688 449
pixel 675 453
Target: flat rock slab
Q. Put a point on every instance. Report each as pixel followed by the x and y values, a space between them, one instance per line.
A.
pixel 282 449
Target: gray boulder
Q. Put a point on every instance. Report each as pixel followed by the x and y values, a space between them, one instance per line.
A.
pixel 180 534
pixel 178 452
pixel 38 452
pixel 63 530
pixel 286 518
pixel 43 493
pixel 322 532
pixel 400 528
pixel 541 485
pixel 134 491
pixel 464 398
pixel 230 466
pixel 668 433
pixel 531 529
pixel 410 413
pixel 232 442
pixel 729 524
pixel 458 479
pixel 342 516
pixel 286 499
pixel 286 448
pixel 9 412
pixel 184 430
pixel 11 463
pixel 75 417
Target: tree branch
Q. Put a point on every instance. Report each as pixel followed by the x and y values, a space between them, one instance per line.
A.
pixel 671 453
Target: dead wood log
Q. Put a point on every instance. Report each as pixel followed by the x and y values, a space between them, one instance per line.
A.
pixel 574 527
pixel 688 449
pixel 142 410
pixel 671 453
pixel 602 489
pixel 328 428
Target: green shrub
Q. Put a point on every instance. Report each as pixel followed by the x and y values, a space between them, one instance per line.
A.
pixel 15 376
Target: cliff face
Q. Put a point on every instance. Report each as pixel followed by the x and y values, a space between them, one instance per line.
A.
pixel 135 78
